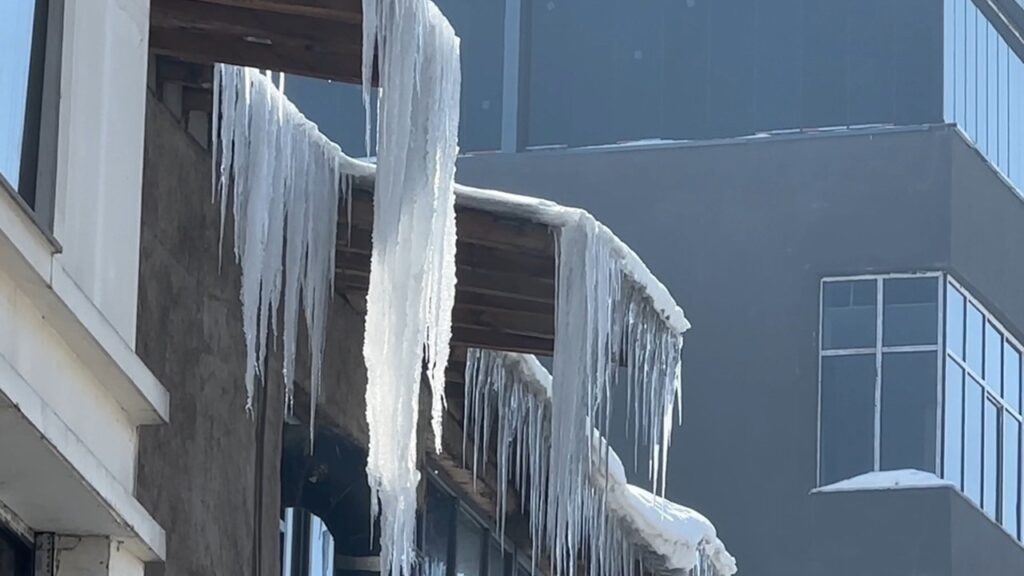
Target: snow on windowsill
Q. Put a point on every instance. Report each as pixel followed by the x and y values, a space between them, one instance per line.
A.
pixel 908 479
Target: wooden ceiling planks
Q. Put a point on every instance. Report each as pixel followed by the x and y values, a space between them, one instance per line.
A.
pixel 505 271
pixel 318 38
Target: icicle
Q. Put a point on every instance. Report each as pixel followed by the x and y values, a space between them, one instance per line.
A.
pixel 412 265
pixel 284 180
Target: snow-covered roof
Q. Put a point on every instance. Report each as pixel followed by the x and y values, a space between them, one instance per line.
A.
pixel 887 480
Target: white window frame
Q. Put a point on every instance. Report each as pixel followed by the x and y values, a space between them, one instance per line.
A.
pixel 878 350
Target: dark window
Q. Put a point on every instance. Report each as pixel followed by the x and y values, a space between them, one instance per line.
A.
pixel 908 410
pixel 953 408
pixel 847 416
pixel 850 314
pixel 469 547
pixel 496 559
pixel 438 515
pixel 15 556
pixel 22 26
pixel 911 311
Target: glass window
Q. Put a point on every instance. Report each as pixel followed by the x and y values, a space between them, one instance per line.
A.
pixel 17 19
pixel 911 311
pixel 990 489
pixel 975 338
pixel 1011 475
pixel 438 514
pixel 908 410
pixel 496 559
pixel 973 397
pixel 1011 376
pixel 850 314
pixel 993 358
pixel 480 25
pixel 955 310
pixel 983 91
pixel 953 407
pixel 469 547
pixel 847 416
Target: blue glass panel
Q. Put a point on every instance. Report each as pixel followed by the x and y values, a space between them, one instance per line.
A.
pixel 1003 122
pixel 981 112
pixel 990 474
pixel 992 90
pixel 959 61
pixel 1011 475
pixel 955 310
pixel 1016 121
pixel 16 19
pixel 975 339
pixel 969 121
pixel 994 358
pixel 947 59
pixel 973 398
pixel 953 409
pixel 1011 376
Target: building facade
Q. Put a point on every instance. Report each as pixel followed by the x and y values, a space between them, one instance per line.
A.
pixel 834 189
pixel 125 443
pixel 73 391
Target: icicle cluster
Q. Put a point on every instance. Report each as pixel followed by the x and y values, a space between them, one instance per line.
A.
pixel 284 181
pixel 412 268
pixel 604 321
pixel 495 385
pixel 619 525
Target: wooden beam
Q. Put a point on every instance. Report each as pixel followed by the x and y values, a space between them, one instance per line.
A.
pixel 210 48
pixel 494 340
pixel 339 10
pixel 502 283
pixel 200 31
pixel 474 226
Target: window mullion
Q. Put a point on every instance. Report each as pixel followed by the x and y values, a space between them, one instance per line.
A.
pixel 880 306
pixel 940 383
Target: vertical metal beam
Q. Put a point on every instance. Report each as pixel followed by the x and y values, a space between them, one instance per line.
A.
pixel 510 78
pixel 46 555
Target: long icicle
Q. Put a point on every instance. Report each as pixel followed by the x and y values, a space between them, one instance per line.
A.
pixel 412 265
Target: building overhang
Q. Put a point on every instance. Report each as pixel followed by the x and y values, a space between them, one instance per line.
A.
pixel 53 482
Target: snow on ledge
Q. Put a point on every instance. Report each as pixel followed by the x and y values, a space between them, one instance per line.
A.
pixel 887 480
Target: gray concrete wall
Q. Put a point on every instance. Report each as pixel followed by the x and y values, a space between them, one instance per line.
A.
pixel 210 477
pixel 987 236
pixel 741 233
pixel 882 533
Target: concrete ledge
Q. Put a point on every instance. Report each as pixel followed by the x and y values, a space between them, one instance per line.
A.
pixel 30 258
pixel 57 484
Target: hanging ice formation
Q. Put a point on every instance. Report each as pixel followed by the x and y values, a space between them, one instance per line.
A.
pixel 620 526
pixel 284 181
pixel 412 266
